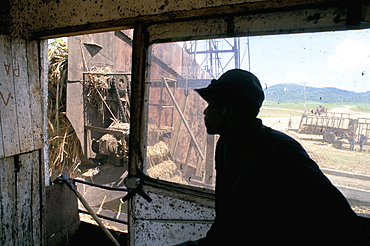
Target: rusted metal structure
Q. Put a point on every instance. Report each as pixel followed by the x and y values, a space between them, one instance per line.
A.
pixel 24 26
pixel 105 101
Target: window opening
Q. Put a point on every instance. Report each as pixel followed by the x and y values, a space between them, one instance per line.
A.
pixel 179 150
pixel 90 126
pixel 316 88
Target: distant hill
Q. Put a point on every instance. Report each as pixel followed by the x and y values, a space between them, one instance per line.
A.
pixel 295 93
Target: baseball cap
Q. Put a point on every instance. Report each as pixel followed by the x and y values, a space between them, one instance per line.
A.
pixel 235 83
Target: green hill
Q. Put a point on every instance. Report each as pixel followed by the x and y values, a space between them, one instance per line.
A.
pixel 283 93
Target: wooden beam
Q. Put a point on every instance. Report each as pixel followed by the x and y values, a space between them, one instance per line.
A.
pixel 138 107
pixel 177 14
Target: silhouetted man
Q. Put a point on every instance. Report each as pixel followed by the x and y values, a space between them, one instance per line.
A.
pixel 268 190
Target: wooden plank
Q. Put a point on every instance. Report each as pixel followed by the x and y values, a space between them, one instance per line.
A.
pixel 35 93
pixel 2 222
pixel 138 105
pixel 8 111
pixel 7 202
pixel 36 198
pixel 22 91
pixel 43 44
pixel 1 141
pixel 24 198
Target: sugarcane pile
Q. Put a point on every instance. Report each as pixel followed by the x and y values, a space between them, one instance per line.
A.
pixel 65 152
pixel 160 166
pixel 97 85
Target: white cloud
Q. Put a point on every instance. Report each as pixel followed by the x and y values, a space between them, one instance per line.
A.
pixel 350 55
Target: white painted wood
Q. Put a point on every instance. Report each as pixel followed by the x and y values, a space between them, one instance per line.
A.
pixel 36 207
pixel 159 233
pixel 285 22
pixel 36 105
pixel 1 141
pixel 164 207
pixel 20 206
pixel 21 103
pixel 43 56
pixel 24 199
pixel 7 202
pixel 22 91
pixel 167 220
pixel 8 110
pixel 21 125
pixel 291 21
pixel 179 30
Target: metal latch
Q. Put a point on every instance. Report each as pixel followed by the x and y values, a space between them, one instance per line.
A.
pixel 132 183
pixel 134 186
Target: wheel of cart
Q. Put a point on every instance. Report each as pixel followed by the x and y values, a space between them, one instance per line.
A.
pixel 337 144
pixel 329 137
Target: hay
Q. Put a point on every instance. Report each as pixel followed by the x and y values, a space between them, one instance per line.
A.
pixel 97 86
pixel 166 170
pixel 160 164
pixel 65 152
pixel 157 153
pixel 155 129
pixel 100 81
pixel 119 126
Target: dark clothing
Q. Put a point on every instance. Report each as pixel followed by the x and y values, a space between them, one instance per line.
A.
pixel 269 192
pixel 362 141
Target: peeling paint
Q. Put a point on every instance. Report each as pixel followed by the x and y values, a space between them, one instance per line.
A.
pixel 168 221
pixel 167 208
pixel 154 233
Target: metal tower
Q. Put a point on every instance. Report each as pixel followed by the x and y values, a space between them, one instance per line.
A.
pixel 217 56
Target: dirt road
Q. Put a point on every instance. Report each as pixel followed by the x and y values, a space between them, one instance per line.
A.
pixel 356 188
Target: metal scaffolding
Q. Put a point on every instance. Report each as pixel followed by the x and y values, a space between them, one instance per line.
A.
pixel 217 55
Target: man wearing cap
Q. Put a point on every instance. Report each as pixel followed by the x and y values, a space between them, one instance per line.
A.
pixel 268 190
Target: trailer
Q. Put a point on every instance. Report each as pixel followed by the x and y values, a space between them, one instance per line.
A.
pixel 335 127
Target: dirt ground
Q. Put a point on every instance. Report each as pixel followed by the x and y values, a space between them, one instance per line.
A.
pixel 323 153
pixel 314 144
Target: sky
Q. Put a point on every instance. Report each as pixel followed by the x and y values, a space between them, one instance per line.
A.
pixel 338 59
pixel 331 59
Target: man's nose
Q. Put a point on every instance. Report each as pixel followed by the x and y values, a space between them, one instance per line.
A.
pixel 205 111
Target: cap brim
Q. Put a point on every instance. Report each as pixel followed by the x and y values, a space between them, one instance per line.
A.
pixel 203 92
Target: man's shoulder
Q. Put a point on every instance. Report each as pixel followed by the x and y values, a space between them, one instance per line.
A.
pixel 276 136
pixel 282 143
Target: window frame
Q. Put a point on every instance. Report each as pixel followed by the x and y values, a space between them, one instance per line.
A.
pixel 269 23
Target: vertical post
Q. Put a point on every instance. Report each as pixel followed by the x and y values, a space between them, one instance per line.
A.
pixel 209 162
pixel 236 50
pixel 138 102
pixel 304 94
pixel 138 111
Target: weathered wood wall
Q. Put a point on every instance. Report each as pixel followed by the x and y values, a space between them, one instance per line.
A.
pixel 20 99
pixel 20 203
pixel 21 142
